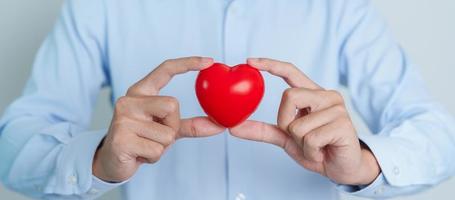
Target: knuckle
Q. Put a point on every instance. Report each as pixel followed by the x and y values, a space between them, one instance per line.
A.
pixel 119 123
pixel 158 150
pixel 164 67
pixel 167 62
pixel 122 103
pixel 339 109
pixel 294 128
pixel 289 94
pixel 336 95
pixel 310 140
pixel 169 138
pixel 154 153
pixel 289 68
pixel 171 104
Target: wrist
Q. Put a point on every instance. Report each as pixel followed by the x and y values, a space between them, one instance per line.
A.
pixel 369 169
pixel 97 166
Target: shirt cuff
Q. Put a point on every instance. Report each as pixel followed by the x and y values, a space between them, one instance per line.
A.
pixel 393 180
pixel 74 167
pixel 99 187
pixel 372 190
pixel 388 153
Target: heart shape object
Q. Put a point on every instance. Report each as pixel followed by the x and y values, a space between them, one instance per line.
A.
pixel 229 95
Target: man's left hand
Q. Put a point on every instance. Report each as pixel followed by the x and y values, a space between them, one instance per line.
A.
pixel 314 128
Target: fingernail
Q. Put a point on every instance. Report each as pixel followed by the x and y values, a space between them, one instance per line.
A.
pixel 252 59
pixel 206 61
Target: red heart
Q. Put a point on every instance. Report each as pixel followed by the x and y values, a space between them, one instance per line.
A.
pixel 229 95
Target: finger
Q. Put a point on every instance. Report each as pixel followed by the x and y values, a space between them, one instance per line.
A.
pixel 263 132
pixel 303 125
pixel 162 109
pixel 146 150
pixel 260 132
pixel 198 127
pixel 291 74
pixel 299 98
pixel 161 75
pixel 315 141
pixel 296 153
pixel 156 132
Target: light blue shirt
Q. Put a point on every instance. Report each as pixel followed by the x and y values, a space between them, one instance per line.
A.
pixel 46 148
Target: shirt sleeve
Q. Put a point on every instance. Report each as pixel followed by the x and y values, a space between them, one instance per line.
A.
pixel 45 146
pixel 413 136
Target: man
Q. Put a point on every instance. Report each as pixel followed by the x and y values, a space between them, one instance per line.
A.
pixel 144 51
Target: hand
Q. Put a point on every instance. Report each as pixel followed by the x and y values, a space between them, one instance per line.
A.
pixel 314 128
pixel 145 124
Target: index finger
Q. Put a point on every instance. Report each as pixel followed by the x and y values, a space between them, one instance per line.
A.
pixel 291 74
pixel 161 75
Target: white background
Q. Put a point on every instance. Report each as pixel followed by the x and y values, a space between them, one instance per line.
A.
pixel 426 28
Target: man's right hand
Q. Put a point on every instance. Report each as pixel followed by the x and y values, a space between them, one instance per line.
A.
pixel 145 124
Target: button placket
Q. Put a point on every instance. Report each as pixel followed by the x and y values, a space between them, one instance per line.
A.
pixel 234 52
pixel 240 196
pixel 234 34
pixel 72 179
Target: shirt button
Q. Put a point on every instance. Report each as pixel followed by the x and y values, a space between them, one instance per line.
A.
pixel 234 9
pixel 93 191
pixel 38 188
pixel 396 170
pixel 240 196
pixel 72 180
pixel 379 191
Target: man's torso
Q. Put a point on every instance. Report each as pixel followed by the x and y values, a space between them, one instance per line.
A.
pixel 142 34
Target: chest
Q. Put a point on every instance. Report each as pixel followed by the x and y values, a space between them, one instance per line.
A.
pixel 145 33
pixel 142 34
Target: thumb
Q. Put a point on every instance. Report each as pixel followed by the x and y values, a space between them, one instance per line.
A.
pixel 260 132
pixel 198 127
pixel 268 133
